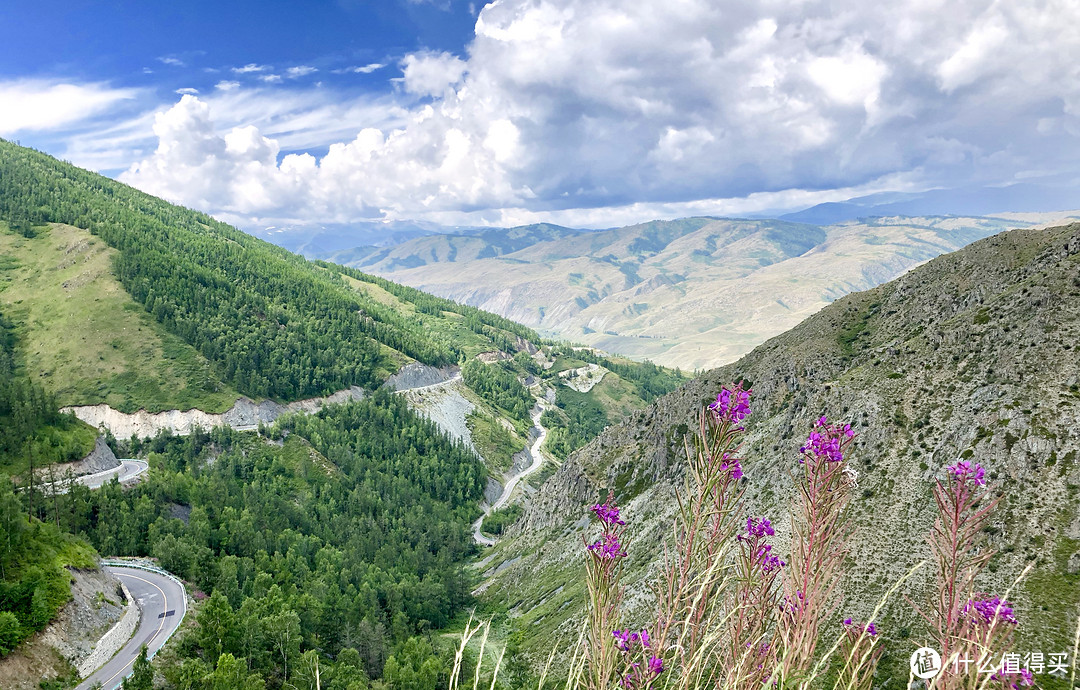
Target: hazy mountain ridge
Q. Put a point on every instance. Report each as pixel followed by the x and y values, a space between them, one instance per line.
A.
pixel 970 355
pixel 693 293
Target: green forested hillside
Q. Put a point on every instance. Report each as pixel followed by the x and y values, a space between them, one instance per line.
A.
pixel 340 538
pixel 350 531
pixel 578 417
pixel 272 324
pixel 34 583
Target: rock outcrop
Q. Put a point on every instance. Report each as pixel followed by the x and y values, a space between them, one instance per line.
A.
pixel 419 375
pixel 99 460
pixel 246 414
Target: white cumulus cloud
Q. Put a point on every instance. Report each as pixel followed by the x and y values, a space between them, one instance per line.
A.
pixel 250 67
pixel 563 106
pixel 360 69
pixel 431 74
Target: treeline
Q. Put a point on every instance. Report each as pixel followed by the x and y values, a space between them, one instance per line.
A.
pixel 32 431
pixel 347 541
pixel 34 583
pixel 650 380
pixel 478 320
pixel 498 384
pixel 497 521
pixel 274 324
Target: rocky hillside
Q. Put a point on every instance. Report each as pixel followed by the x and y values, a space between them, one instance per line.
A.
pixel 971 355
pixel 691 293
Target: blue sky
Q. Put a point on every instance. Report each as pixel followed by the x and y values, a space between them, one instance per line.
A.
pixel 135 43
pixel 583 112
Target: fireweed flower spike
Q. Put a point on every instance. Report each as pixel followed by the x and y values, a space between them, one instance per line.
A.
pixel 820 530
pixel 987 611
pixel 732 404
pixel 1014 679
pixel 859 655
pixel 827 441
pixel 730 464
pixel 964 470
pixel 966 624
pixel 603 579
pixel 608 514
pixel 607 547
pixel 695 592
pixel 869 628
pixel 634 645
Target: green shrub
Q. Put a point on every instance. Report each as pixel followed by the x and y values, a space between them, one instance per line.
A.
pixel 10 632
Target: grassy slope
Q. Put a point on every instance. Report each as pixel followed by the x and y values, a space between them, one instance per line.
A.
pixel 617 396
pixel 448 324
pixel 86 338
pixel 495 443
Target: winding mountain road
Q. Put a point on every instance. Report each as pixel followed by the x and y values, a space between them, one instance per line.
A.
pixel 536 461
pixel 128 469
pixel 162 605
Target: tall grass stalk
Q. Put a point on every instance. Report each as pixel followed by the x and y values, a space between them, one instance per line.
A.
pixel 732 615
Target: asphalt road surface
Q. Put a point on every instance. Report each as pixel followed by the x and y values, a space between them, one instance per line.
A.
pixel 126 470
pixel 162 602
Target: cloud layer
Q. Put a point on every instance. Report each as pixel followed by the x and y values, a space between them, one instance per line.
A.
pixel 33 105
pixel 566 106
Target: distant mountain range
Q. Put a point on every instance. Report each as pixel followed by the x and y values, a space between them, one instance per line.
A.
pixel 692 293
pixel 965 201
pixel 315 240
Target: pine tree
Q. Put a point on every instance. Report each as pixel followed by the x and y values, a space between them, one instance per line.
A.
pixel 142 675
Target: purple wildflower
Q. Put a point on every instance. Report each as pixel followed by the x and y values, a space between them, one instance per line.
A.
pixel 769 563
pixel 608 514
pixel 758 528
pixel 607 546
pixel 964 470
pixel 987 610
pixel 656 665
pixel 1026 677
pixel 732 405
pixel 825 444
pixel 869 628
pixel 731 464
pixel 626 640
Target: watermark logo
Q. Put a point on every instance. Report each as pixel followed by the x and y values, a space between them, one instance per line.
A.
pixel 925 662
